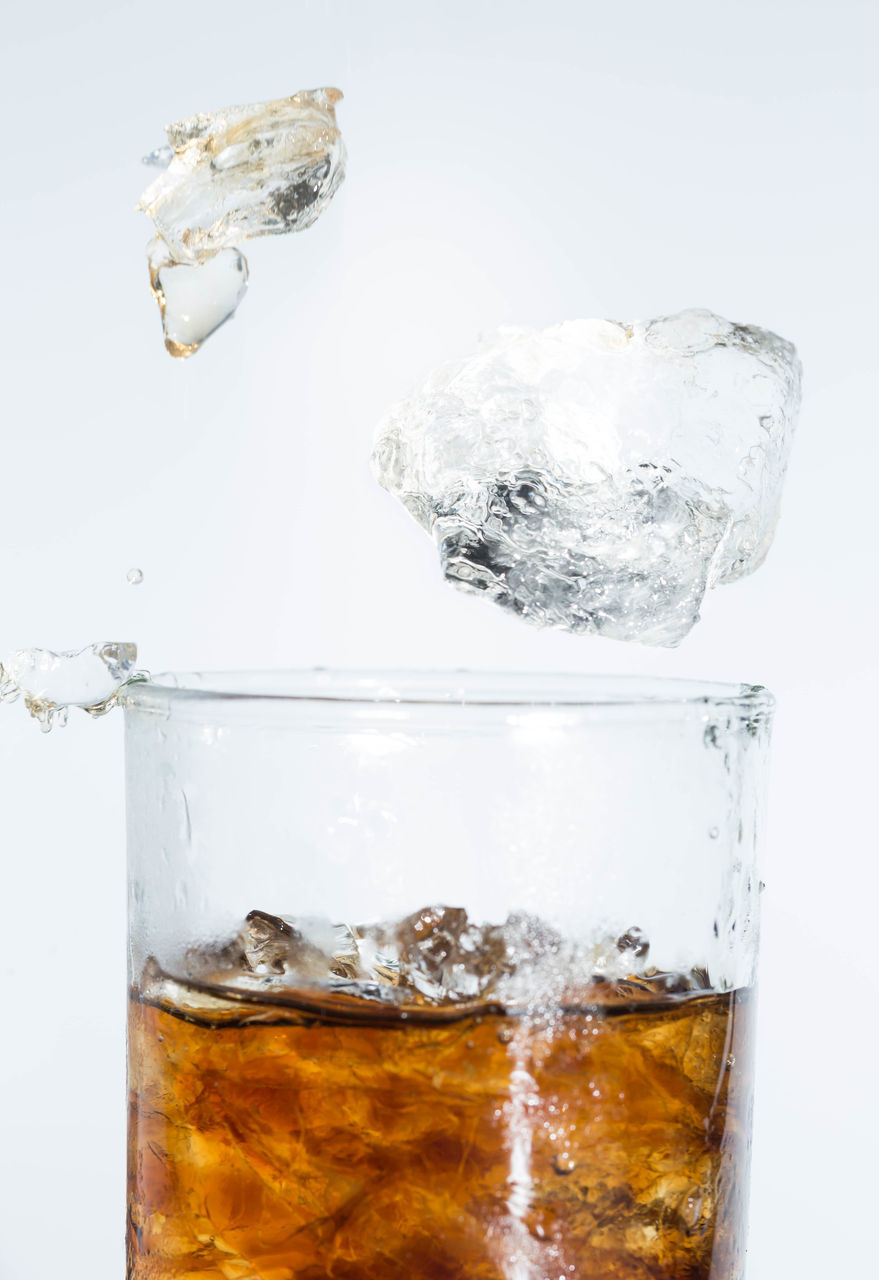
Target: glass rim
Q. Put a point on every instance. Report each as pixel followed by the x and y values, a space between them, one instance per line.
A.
pixel 460 688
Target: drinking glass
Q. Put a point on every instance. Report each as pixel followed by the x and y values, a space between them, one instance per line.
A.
pixel 441 975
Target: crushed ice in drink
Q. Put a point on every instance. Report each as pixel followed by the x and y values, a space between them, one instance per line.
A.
pixel 51 683
pixel 265 168
pixel 598 476
pixel 435 956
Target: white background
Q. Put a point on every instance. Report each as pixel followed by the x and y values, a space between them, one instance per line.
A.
pixel 508 162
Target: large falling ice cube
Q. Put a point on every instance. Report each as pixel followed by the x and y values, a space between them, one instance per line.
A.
pixel 599 476
pixel 266 168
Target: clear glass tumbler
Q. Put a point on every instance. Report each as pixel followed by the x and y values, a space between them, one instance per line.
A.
pixel 441 976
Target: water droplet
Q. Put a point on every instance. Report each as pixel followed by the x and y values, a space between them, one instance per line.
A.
pixel 505 1035
pixel 713 833
pixel 134 576
pixel 563 1162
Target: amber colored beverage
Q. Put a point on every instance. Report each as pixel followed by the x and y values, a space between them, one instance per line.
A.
pixel 308 1137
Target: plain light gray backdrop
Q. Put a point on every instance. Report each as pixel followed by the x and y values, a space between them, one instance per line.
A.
pixel 509 162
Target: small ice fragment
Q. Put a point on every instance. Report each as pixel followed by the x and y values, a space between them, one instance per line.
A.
pixel 134 576
pixel 159 157
pixel 50 682
pixel 598 476
pixel 266 942
pixel 634 942
pixel 195 298
pixel 445 956
pixel 431 945
pixel 299 948
pixel 266 168
pixel 381 965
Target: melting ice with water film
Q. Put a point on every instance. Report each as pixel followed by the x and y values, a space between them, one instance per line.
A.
pixel 51 683
pixel 599 476
pixel 266 168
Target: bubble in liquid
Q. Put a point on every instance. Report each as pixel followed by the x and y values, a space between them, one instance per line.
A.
pixel 134 576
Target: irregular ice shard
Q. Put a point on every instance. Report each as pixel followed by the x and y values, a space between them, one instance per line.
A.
pixel 599 476
pixel 262 169
pixel 195 298
pixel 53 682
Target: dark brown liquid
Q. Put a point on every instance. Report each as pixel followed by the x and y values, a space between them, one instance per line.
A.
pixel 342 1139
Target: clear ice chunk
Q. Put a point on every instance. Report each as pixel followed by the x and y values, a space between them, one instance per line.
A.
pixel 195 298
pixel 598 476
pixel 266 168
pixel 445 956
pixel 51 683
pixel 304 948
pixel 262 169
